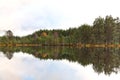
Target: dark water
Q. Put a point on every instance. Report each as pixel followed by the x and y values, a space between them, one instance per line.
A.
pixel 59 63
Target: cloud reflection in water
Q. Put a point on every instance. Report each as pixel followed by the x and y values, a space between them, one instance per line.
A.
pixel 26 67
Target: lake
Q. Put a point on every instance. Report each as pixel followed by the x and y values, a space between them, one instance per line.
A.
pixel 59 63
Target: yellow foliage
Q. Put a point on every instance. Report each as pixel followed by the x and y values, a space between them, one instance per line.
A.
pixel 44 55
pixel 44 34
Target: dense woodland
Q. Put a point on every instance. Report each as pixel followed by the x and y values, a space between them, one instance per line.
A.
pixel 103 31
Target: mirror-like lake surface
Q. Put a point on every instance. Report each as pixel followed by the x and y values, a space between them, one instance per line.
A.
pixel 33 63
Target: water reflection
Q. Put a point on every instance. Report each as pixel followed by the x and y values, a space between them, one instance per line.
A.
pixel 26 67
pixel 103 60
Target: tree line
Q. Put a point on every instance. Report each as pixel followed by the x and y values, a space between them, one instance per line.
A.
pixel 103 31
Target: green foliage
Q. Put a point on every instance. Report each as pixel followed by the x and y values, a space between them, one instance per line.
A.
pixel 103 31
pixel 103 60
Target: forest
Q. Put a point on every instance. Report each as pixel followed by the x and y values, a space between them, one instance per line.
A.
pixel 104 31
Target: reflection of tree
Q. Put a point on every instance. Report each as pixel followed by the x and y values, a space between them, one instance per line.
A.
pixel 9 55
pixel 8 51
pixel 103 59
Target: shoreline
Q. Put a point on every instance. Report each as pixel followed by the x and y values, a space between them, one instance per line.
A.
pixel 65 44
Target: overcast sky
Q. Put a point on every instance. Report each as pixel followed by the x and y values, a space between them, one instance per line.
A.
pixel 26 16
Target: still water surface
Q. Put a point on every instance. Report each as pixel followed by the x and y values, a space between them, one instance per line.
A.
pixel 59 64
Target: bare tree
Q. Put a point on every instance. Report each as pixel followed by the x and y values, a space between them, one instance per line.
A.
pixel 9 33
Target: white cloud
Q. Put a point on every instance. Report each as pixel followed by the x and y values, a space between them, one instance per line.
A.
pixel 31 15
pixel 26 67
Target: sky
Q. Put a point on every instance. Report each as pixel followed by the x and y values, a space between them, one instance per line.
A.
pixel 26 16
pixel 24 66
